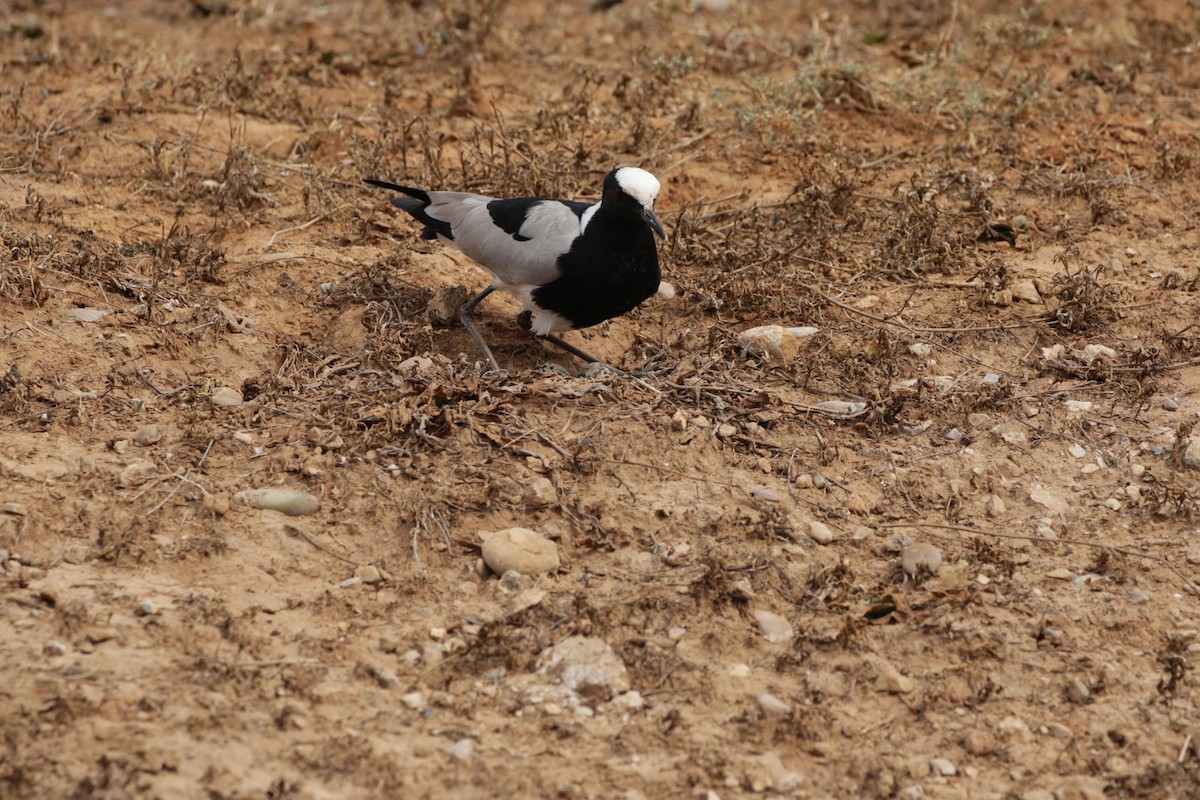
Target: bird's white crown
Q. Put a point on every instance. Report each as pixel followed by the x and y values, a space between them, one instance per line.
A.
pixel 639 184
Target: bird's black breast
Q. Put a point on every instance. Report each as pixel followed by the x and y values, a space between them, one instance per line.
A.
pixel 608 271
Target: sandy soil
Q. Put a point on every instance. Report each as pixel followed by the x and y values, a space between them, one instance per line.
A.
pixel 987 208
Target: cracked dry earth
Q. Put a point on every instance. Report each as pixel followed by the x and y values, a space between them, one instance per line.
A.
pixel 985 208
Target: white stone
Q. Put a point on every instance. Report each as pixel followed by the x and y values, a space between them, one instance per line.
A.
pixel 520 550
pixel 819 532
pixel 462 750
pixel 943 766
pixel 920 558
pixel 772 706
pixel 586 666
pixel 774 628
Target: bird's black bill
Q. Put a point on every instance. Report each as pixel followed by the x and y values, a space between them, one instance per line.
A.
pixel 654 223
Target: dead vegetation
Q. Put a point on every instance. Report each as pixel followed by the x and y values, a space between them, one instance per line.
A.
pixel 985 209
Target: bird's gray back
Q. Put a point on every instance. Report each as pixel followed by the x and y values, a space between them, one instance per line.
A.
pixel 527 257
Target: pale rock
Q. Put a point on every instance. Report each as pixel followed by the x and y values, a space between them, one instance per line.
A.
pixel 1191 453
pixel 462 750
pixel 774 342
pixel 148 435
pixel 774 628
pixel 1014 729
pixel 819 532
pixel 226 397
pixel 1052 501
pixel 521 550
pixel 414 701
pixel 292 503
pixel 586 666
pixel 891 681
pixel 136 474
pixel 943 766
pixel 920 558
pixel 1080 787
pixel 1078 692
pixel 368 573
pixel 1076 450
pixel 772 706
pixel 1026 291
pixel 993 506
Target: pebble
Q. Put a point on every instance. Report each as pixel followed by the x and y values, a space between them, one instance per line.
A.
pixel 765 494
pixel 677 555
pixel 943 766
pixel 514 582
pixel 1080 787
pixel 225 397
pixel 1170 404
pixel 520 550
pixel 775 342
pixel 993 506
pixel 819 532
pixel 890 680
pixel 1137 596
pixel 1014 728
pixel 920 558
pixel 101 634
pixel 774 628
pixel 1078 692
pixel 739 670
pixel 586 666
pixel 15 508
pixel 1113 504
pixel 1038 794
pixel 136 474
pixel 368 573
pixel 1061 574
pixel 1192 556
pixel 462 750
pixel 1076 450
pixel 772 706
pixel 148 435
pixel 1191 454
pixel 86 314
pixel 1058 730
pixel 387 678
pixel 55 648
pixel 292 503
pixel 145 609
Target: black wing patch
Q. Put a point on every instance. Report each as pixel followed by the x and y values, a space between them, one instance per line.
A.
pixel 509 215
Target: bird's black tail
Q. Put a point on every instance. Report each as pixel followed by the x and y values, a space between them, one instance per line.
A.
pixel 415 205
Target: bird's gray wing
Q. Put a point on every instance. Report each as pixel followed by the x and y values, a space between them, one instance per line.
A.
pixel 518 240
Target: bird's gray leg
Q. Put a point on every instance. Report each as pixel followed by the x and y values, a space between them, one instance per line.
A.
pixel 468 321
pixel 570 348
pixel 525 320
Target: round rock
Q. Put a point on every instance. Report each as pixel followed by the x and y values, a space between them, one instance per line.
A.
pixel 920 558
pixel 294 504
pixel 519 550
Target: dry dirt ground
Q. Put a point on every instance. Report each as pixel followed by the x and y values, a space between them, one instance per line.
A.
pixel 988 209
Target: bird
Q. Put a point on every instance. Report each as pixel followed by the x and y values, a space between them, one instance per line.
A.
pixel 571 264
